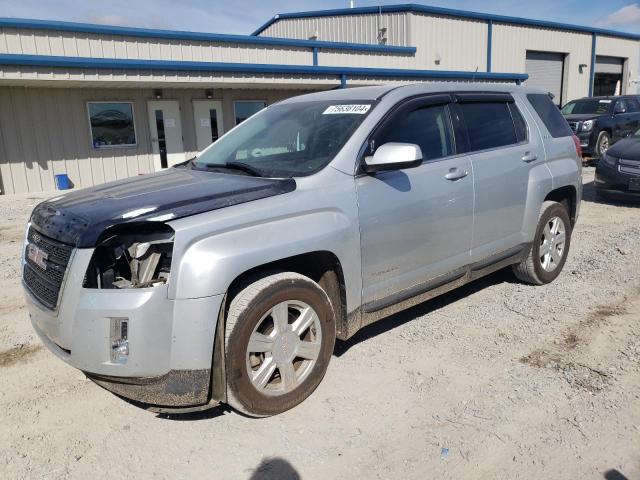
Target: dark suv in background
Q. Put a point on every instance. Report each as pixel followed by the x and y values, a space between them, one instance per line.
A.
pixel 599 122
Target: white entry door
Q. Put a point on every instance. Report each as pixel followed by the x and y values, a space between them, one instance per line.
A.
pixel 208 119
pixel 166 133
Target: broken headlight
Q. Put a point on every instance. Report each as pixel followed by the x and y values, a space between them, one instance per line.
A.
pixel 132 258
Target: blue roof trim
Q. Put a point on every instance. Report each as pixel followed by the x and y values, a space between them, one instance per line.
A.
pixel 197 36
pixel 100 63
pixel 412 7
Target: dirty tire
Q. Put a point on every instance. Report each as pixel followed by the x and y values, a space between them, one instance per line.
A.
pixel 531 270
pixel 247 312
pixel 602 144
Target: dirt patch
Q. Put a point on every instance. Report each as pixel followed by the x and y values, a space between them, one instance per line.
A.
pixel 18 354
pixel 576 374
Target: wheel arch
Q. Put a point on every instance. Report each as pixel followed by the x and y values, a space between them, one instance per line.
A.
pixel 568 196
pixel 322 266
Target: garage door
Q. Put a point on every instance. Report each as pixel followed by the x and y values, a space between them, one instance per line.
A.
pixel 609 64
pixel 545 71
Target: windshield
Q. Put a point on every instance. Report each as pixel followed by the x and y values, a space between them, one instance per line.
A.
pixel 592 106
pixel 287 140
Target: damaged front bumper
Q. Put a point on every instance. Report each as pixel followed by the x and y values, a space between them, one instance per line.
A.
pixel 170 341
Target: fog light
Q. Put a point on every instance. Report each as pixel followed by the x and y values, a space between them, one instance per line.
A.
pixel 119 340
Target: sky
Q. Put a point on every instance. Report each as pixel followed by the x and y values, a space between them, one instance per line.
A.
pixel 243 17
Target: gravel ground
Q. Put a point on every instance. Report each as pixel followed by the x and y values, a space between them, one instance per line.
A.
pixel 496 380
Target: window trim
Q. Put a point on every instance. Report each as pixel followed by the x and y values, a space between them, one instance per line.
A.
pixel 133 119
pixel 463 125
pixel 242 100
pixel 428 100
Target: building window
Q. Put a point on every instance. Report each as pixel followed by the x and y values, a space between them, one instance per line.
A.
pixel 245 108
pixel 111 124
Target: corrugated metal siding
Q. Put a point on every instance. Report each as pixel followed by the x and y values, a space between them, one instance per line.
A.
pixel 16 75
pixel 339 58
pixel 459 44
pixel 45 131
pixel 343 28
pixel 511 42
pixel 71 44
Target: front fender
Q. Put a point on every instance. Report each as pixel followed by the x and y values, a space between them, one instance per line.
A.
pixel 213 249
pixel 209 265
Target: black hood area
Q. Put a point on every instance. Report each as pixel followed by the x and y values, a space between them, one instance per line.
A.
pixel 79 218
pixel 627 148
pixel 581 117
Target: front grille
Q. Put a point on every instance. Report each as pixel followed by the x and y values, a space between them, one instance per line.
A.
pixel 574 126
pixel 45 283
pixel 629 166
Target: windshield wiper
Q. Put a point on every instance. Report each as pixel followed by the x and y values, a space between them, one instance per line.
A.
pixel 243 167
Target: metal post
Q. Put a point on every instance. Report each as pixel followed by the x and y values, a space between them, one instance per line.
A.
pixel 592 73
pixel 489 43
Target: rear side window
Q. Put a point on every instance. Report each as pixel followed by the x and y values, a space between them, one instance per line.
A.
pixel 489 125
pixel 550 115
pixel 429 127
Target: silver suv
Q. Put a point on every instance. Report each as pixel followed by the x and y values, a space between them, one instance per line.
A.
pixel 228 278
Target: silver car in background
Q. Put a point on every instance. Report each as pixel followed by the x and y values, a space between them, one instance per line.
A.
pixel 229 278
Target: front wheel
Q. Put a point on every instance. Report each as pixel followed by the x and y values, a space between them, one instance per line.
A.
pixel 602 144
pixel 550 247
pixel 280 333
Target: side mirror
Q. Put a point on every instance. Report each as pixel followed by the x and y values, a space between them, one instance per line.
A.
pixel 394 156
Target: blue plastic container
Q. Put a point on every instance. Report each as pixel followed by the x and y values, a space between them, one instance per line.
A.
pixel 62 182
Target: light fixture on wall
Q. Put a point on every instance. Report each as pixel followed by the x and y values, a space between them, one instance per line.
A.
pixel 157 94
pixel 581 67
pixel 438 59
pixel 209 94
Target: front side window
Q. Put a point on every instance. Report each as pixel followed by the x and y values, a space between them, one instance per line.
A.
pixel 286 140
pixel 428 127
pixel 111 124
pixel 489 125
pixel 633 105
pixel 245 108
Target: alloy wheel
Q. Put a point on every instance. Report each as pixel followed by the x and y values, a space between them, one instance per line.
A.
pixel 552 244
pixel 283 347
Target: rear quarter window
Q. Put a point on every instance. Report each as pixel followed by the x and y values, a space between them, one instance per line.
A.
pixel 550 115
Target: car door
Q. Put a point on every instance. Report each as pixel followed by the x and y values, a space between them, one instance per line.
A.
pixel 626 117
pixel 415 223
pixel 503 152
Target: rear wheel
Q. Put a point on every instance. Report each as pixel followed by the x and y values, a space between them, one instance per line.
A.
pixel 280 334
pixel 550 247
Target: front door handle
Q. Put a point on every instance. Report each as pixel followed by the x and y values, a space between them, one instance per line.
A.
pixel 456 174
pixel 529 157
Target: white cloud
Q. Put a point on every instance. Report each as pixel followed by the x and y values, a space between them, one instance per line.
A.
pixel 629 15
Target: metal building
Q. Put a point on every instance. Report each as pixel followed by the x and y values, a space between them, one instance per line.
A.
pixel 569 61
pixel 99 103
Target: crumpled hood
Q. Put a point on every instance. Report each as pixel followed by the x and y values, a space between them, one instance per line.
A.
pixel 627 148
pixel 79 218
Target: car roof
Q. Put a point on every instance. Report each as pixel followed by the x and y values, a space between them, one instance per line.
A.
pixel 376 92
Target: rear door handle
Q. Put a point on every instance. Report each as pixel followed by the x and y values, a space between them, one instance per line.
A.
pixel 456 174
pixel 529 157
